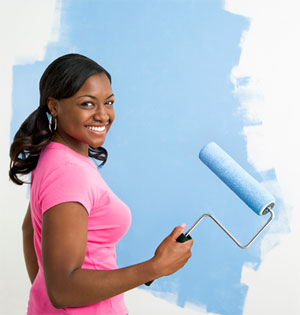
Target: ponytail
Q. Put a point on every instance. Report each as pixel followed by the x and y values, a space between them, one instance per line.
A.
pixel 28 143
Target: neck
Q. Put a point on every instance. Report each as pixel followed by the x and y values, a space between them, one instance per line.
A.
pixel 77 146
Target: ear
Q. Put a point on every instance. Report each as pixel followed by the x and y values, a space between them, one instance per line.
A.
pixel 53 106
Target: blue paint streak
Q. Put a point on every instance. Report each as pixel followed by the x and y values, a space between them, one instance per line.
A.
pixel 170 62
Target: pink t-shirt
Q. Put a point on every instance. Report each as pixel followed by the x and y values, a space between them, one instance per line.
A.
pixel 62 175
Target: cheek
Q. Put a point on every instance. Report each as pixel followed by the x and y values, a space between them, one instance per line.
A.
pixel 111 115
pixel 70 121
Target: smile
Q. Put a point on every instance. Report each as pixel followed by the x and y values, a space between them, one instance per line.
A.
pixel 93 128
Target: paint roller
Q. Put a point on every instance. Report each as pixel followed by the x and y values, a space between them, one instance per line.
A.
pixel 255 196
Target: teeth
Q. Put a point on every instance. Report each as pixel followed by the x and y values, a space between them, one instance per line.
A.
pixel 96 128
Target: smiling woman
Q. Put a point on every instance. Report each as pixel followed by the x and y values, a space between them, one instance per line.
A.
pixel 74 220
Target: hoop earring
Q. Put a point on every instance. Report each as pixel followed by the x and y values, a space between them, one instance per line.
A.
pixel 50 124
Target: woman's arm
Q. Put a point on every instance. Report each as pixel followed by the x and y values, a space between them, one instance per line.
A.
pixel 28 247
pixel 64 238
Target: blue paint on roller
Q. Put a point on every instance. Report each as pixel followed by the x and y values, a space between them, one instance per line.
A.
pixel 236 178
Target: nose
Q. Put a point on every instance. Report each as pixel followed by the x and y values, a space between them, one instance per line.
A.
pixel 101 114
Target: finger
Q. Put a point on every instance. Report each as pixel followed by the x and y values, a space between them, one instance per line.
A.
pixel 189 243
pixel 177 230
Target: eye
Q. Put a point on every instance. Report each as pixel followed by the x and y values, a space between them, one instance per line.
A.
pixel 109 103
pixel 87 104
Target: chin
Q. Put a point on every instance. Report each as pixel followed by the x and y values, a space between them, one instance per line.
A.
pixel 96 145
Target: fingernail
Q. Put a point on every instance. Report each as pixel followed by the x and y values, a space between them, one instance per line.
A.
pixel 183 225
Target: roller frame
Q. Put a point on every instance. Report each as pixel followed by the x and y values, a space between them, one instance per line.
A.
pixel 267 210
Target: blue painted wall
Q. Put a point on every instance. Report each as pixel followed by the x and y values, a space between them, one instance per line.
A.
pixel 170 63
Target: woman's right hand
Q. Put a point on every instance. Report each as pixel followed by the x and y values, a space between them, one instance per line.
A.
pixel 171 255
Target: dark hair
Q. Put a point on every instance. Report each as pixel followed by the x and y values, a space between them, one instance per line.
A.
pixel 62 79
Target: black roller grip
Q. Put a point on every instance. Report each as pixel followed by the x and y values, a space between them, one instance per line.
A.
pixel 180 239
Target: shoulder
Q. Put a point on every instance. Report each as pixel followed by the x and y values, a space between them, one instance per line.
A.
pixel 62 176
pixel 61 165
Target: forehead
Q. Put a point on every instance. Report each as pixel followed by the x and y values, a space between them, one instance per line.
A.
pixel 97 84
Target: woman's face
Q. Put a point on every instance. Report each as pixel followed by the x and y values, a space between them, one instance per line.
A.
pixel 84 119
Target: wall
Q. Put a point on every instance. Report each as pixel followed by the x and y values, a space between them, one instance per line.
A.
pixel 184 73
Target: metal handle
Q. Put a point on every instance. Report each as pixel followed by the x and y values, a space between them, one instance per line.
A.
pixel 268 210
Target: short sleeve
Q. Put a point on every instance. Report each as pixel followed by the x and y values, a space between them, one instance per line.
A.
pixel 66 183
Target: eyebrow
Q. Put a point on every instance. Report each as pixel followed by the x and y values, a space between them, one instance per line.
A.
pixel 93 97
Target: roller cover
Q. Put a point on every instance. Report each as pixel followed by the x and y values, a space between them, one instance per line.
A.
pixel 236 178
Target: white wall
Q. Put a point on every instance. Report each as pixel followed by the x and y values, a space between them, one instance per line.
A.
pixel 22 42
pixel 270 100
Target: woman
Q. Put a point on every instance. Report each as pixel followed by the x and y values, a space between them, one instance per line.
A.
pixel 74 220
